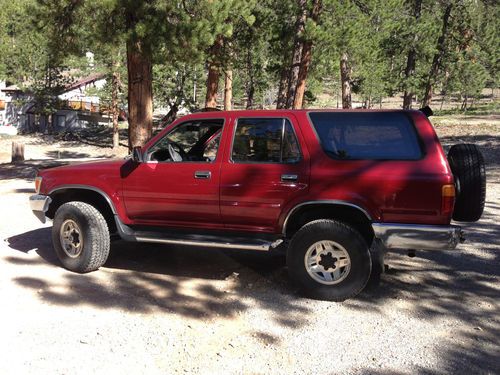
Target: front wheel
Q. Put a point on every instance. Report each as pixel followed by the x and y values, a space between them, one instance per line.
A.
pixel 80 237
pixel 329 260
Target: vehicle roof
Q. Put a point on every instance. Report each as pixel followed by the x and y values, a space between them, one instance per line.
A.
pixel 281 112
pixel 216 113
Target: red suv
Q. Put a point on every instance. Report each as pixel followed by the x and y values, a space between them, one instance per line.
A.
pixel 334 189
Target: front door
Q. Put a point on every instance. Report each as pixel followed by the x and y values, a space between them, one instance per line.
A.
pixel 263 170
pixel 178 182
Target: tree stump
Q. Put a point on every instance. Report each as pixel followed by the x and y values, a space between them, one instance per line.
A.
pixel 17 152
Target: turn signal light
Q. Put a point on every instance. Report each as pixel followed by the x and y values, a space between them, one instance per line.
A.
pixel 447 199
pixel 38 184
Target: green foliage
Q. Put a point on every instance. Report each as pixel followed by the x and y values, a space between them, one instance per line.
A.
pixel 27 58
pixel 43 44
pixel 176 85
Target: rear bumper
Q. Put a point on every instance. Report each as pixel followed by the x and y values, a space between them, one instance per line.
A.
pixel 418 237
pixel 39 205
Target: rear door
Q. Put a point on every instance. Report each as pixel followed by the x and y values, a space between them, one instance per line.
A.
pixel 264 168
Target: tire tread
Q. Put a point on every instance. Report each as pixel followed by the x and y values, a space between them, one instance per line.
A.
pixel 467 164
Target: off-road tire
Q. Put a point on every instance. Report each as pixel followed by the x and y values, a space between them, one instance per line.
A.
pixel 96 238
pixel 467 164
pixel 346 236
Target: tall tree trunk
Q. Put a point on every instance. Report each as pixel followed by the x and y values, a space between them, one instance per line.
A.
pixel 297 53
pixel 49 123
pixel 464 104
pixel 250 95
pixel 301 79
pixel 436 61
pixel 115 109
pixel 250 86
pixel 283 86
pixel 212 87
pixel 305 61
pixel 228 90
pixel 140 93
pixel 194 90
pixel 410 61
pixel 214 67
pixel 345 81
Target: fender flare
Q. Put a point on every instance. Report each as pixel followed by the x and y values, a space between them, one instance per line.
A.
pixel 328 202
pixel 87 187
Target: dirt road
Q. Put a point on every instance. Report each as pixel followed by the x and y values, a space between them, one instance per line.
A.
pixel 164 309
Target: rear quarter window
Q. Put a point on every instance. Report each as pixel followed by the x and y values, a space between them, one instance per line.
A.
pixel 369 135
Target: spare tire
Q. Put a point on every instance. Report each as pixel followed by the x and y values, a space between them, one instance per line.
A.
pixel 467 164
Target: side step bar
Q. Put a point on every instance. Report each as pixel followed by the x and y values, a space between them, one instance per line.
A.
pixel 202 240
pixel 212 241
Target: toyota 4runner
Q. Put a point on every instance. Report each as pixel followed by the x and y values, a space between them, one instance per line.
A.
pixel 334 189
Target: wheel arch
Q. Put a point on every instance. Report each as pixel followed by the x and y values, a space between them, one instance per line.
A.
pixel 342 211
pixel 82 193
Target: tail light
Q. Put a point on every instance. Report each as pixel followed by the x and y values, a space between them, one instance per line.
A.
pixel 447 199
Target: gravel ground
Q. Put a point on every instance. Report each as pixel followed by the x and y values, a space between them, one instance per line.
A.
pixel 164 309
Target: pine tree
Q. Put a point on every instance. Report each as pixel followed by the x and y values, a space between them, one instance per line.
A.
pixel 439 55
pixel 225 17
pixel 306 57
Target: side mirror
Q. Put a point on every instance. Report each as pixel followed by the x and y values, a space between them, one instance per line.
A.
pixel 137 154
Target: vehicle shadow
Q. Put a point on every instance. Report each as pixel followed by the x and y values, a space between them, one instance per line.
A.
pixel 178 261
pixel 144 278
pixel 27 169
pixel 460 287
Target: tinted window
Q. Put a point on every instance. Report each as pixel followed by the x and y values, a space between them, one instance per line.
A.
pixel 369 135
pixel 269 140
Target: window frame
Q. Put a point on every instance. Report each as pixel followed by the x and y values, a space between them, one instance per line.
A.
pixel 217 156
pixel 420 142
pixel 284 118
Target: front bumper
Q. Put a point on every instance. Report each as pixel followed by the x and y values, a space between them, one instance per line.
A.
pixel 40 205
pixel 418 237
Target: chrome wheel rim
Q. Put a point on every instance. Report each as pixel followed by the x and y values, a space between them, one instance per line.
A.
pixel 327 262
pixel 70 236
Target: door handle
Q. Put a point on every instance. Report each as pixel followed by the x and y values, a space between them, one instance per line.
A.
pixel 202 174
pixel 289 177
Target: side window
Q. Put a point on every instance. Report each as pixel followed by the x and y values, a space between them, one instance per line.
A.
pixel 265 140
pixel 367 135
pixel 196 141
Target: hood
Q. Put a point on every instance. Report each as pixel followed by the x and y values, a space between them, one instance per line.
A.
pixel 84 165
pixel 102 174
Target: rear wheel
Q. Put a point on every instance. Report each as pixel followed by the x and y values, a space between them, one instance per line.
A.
pixel 467 164
pixel 329 260
pixel 80 237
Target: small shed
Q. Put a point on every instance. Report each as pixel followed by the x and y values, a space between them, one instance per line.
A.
pixel 77 108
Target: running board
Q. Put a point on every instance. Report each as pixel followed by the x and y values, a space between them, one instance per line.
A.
pixel 212 241
pixel 201 240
